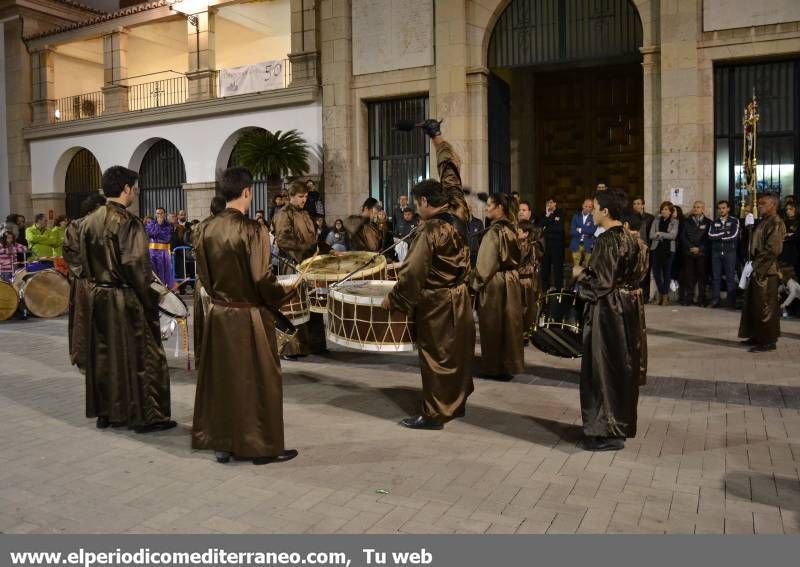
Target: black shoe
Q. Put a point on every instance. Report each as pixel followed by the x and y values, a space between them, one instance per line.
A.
pixel 222 457
pixel 420 422
pixel 748 342
pixel 602 443
pixel 461 411
pixel 160 426
pixel 764 348
pixel 292 357
pixel 713 304
pixel 287 455
pixel 102 422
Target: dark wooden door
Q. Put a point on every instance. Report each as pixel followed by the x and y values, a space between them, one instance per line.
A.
pixel 589 130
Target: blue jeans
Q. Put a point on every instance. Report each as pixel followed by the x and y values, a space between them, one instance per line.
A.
pixel 662 271
pixel 723 263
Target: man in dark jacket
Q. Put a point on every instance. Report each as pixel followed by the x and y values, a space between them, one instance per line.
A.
pixel 724 238
pixel 553 261
pixel 644 234
pixel 695 244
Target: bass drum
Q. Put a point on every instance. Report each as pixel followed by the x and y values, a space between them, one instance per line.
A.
pixel 44 293
pixel 9 301
pixel 558 329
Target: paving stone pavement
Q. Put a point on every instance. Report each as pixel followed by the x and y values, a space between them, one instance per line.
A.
pixel 717 452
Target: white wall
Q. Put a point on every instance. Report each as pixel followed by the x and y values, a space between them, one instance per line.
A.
pixel 730 14
pixel 199 141
pixel 5 197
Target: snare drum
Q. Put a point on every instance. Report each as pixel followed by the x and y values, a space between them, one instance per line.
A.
pixel 9 301
pixel 326 270
pixel 295 307
pixel 168 302
pixel 44 293
pixel 357 320
pixel 558 329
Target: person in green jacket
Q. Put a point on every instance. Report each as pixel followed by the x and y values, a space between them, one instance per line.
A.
pixel 57 234
pixel 41 240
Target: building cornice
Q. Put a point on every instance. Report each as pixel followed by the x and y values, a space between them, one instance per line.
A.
pixel 291 96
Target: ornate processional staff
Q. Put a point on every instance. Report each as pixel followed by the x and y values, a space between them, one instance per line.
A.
pixel 750 124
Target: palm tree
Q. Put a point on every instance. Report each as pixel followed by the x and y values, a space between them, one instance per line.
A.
pixel 272 156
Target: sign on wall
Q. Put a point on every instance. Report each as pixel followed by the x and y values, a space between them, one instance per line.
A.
pixel 255 78
pixel 392 34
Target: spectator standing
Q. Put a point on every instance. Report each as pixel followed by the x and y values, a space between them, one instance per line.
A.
pixel 41 240
pixel 525 211
pixel 553 261
pixel 405 224
pixel 57 234
pixel 663 236
pixel 723 235
pixel 399 211
pixel 695 258
pixel 11 253
pixel 582 235
pixel 790 257
pixel 644 233
pixel 314 204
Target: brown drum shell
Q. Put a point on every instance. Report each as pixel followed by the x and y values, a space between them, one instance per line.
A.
pixel 295 306
pixel 367 327
pixel 45 293
pixel 9 301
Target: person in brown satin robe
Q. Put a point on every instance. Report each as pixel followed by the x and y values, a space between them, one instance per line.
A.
pixel 761 316
pixel 296 238
pixel 634 225
pixel 448 165
pixel 200 297
pixel 496 279
pixel 611 363
pixel 238 408
pixel 531 246
pixel 127 378
pixel 78 321
pixel 432 289
pixel 368 230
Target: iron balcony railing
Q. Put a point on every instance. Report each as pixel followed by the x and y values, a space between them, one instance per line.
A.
pixel 156 94
pixel 79 107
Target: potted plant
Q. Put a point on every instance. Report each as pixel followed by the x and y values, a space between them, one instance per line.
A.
pixel 272 156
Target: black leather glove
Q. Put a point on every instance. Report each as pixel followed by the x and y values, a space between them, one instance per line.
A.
pixel 432 127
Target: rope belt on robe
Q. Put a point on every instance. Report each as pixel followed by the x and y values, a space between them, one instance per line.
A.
pixel 159 246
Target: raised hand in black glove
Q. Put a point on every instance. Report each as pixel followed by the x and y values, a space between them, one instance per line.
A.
pixel 432 127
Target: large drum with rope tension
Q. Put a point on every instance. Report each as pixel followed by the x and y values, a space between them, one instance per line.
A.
pixel 44 293
pixel 558 329
pixel 295 307
pixel 357 320
pixel 322 271
pixel 9 301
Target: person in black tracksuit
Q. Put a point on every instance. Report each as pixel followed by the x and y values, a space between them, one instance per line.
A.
pixel 694 247
pixel 724 239
pixel 553 261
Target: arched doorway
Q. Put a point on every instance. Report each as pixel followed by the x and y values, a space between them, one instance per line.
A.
pixel 161 178
pixel 81 180
pixel 566 99
pixel 261 196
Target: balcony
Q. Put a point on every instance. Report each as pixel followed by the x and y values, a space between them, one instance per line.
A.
pixel 172 89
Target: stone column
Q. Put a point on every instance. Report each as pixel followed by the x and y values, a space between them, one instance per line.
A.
pixel 449 99
pixel 115 71
pixel 337 108
pixel 43 76
pixel 200 30
pixel 304 57
pixel 478 129
pixel 198 199
pixel 651 68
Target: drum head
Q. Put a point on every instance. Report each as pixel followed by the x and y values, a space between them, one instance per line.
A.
pixel 9 301
pixel 46 293
pixel 169 303
pixel 334 268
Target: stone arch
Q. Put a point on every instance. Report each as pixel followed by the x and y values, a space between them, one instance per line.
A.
pixel 77 175
pixel 162 173
pixel 481 21
pixel 225 158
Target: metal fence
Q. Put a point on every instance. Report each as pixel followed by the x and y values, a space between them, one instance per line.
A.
pixel 155 94
pixel 79 107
